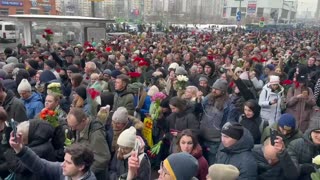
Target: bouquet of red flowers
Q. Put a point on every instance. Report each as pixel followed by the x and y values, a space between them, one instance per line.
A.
pixel 48 34
pixel 134 76
pixel 90 50
pixel 50 116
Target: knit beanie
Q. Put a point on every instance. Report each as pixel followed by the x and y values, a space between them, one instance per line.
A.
pixel 24 86
pixel 115 73
pixel 127 138
pixel 181 71
pixel 181 166
pixel 203 78
pixel 107 71
pixel 50 63
pixel 153 90
pixel 34 64
pixel 223 172
pixel 73 69
pixel 287 122
pixel 12 59
pixel 270 66
pixel 274 80
pixel 120 115
pixel 173 66
pixel 81 91
pixel 233 130
pixel 221 85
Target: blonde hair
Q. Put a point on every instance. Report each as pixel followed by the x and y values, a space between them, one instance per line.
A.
pixel 94 76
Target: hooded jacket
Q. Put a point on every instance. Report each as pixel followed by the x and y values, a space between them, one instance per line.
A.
pixel 254 124
pixel 302 150
pixel 240 156
pixel 271 113
pixel 123 99
pixel 40 133
pixel 33 105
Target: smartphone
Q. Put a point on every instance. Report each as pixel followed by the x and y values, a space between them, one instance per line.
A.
pixel 273 136
pixel 14 129
pixel 136 147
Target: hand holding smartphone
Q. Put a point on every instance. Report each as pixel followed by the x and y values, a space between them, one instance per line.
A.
pixel 273 136
pixel 14 129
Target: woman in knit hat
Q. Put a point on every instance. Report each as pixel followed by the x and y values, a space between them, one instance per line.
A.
pixel 188 142
pixel 80 98
pixel 272 100
pixel 129 142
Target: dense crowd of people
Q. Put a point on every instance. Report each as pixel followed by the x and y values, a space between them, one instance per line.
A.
pixel 190 105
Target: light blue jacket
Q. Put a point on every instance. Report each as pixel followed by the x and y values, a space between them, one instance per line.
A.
pixel 33 105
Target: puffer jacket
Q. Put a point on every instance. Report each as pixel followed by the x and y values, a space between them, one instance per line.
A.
pixel 302 150
pixel 33 105
pixel 301 109
pixel 123 99
pixel 240 156
pixel 271 113
pixel 40 133
pixel 202 162
pixel 283 170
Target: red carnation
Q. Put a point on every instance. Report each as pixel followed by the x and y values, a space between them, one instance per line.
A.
pixel 108 49
pixel 286 82
pixel 134 74
pixel 48 31
pixel 44 36
pixel 255 59
pixel 90 49
pixel 263 60
pixel 143 63
pixel 93 93
pixel 137 59
pixel 87 44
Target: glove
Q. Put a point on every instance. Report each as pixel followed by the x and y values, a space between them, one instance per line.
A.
pixel 307 169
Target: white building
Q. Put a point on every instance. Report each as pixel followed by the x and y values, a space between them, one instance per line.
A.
pixel 280 11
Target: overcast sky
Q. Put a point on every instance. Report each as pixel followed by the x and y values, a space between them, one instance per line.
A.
pixel 311 5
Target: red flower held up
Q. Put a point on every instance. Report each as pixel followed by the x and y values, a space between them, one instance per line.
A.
pixel 108 49
pixel 48 31
pixel 93 93
pixel 143 62
pixel 134 74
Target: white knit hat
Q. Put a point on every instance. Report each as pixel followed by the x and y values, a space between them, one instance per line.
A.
pixel 274 79
pixel 24 86
pixel 128 138
pixel 173 66
pixel 120 115
pixel 153 90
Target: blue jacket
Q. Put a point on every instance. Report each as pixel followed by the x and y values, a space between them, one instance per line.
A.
pixel 240 156
pixel 42 167
pixel 33 105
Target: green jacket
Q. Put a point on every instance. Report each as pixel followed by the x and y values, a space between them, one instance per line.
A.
pixel 124 99
pixel 94 134
pixel 286 139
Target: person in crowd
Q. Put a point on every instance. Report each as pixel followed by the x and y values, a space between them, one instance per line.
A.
pixel 210 72
pixel 170 168
pixel 252 121
pixel 80 99
pixel 35 134
pixel 32 100
pixel 274 161
pixel 181 118
pixel 271 100
pixel 127 142
pixel 77 161
pixel 303 149
pixel 188 142
pixel 203 85
pixel 50 65
pixel 286 128
pixel 90 131
pixel 235 149
pixel 300 102
pixel 190 94
pixel 216 110
pixel 123 97
pixel 142 101
pixel 88 70
pixel 223 172
pixel 120 122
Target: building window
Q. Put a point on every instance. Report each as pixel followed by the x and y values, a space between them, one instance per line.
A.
pixel 233 11
pixel 34 11
pixel 4 11
pixel 19 11
pixel 260 12
pixel 243 9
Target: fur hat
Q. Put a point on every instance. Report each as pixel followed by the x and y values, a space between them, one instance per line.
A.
pixel 223 172
pixel 128 138
pixel 120 115
pixel 24 86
